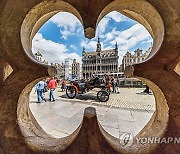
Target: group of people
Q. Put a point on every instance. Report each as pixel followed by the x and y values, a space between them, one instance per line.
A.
pixel 45 85
pixel 112 83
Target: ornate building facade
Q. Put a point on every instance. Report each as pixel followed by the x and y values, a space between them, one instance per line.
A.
pixel 137 57
pixel 99 61
pixel 39 57
pixel 75 69
pixel 60 70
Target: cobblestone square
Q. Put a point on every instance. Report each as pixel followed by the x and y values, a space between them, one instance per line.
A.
pixel 128 111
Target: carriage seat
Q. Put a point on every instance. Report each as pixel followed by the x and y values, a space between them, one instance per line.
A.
pixel 81 86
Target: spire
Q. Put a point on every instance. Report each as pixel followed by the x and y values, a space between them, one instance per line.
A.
pixel 116 47
pixel 38 53
pixel 74 60
pixel 98 45
pixel 83 50
pixel 98 39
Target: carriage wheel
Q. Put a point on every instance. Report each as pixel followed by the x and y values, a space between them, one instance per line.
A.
pixel 103 96
pixel 71 91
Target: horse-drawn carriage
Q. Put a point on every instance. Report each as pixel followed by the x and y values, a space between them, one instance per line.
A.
pixel 81 87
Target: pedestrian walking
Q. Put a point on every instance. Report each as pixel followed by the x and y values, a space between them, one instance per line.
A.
pixel 52 86
pixel 117 85
pixel 108 84
pixel 63 85
pixel 113 82
pixel 40 86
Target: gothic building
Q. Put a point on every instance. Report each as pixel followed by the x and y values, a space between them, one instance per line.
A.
pixel 39 57
pixel 60 69
pixel 99 61
pixel 137 57
pixel 75 69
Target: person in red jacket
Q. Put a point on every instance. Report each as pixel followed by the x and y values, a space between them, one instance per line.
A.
pixel 52 86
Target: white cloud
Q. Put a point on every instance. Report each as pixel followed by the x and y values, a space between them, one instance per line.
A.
pixel 128 38
pixel 89 45
pixel 67 20
pixel 68 23
pixel 102 26
pixel 65 33
pixel 111 35
pixel 73 47
pixel 51 51
pixel 116 16
pixel 75 56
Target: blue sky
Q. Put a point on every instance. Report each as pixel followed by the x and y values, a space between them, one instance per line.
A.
pixel 62 36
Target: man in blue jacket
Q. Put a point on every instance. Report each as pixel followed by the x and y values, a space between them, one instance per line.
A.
pixel 40 86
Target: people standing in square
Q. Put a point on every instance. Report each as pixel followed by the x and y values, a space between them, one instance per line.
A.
pixel 63 85
pixel 52 86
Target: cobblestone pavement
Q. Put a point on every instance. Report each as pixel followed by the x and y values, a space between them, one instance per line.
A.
pixel 129 111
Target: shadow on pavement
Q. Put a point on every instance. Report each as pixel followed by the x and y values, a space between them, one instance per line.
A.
pixel 143 93
pixel 82 97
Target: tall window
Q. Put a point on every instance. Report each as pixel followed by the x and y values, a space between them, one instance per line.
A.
pixel 98 68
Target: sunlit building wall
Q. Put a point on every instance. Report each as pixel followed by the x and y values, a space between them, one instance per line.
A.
pixel 68 68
